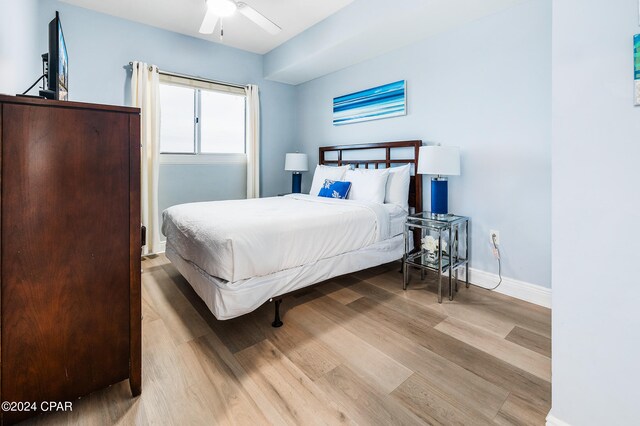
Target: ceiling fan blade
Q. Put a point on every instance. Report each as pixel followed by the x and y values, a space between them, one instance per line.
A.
pixel 209 22
pixel 258 18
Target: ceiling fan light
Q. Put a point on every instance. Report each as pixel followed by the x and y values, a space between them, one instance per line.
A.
pixel 222 8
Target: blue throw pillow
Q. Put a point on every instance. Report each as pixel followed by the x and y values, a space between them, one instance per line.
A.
pixel 334 189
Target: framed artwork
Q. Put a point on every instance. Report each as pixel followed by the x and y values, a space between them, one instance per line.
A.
pixel 389 100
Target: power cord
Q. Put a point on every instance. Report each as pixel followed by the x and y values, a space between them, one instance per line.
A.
pixel 33 85
pixel 496 253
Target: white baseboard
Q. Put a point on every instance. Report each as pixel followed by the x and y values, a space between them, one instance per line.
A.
pixel 554 421
pixel 161 249
pixel 528 292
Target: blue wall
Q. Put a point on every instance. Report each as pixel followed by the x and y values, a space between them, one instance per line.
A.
pixel 99 47
pixel 20 63
pixel 485 87
pixel 182 183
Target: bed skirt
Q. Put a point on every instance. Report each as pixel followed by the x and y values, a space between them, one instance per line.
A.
pixel 228 300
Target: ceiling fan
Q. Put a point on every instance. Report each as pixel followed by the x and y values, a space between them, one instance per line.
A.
pixel 218 9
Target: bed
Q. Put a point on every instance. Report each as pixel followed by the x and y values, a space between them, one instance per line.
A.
pixel 240 254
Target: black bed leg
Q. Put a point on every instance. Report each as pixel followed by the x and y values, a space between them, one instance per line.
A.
pixel 276 321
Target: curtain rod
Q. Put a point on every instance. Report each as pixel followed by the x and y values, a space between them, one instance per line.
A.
pixel 204 80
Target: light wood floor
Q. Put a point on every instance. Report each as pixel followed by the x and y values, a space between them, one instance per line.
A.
pixel 356 350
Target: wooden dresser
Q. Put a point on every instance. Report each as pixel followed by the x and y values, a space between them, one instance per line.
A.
pixel 69 250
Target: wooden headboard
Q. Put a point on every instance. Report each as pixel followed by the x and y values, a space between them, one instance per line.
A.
pixel 415 185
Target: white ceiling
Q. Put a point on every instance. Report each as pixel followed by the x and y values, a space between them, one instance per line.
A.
pixel 185 17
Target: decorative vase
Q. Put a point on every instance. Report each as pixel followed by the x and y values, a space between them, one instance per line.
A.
pixel 430 256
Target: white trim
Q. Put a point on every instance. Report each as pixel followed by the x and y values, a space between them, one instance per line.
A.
pixel 554 421
pixel 203 158
pixel 528 292
pixel 161 249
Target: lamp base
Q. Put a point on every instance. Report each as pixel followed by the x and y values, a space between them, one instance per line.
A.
pixel 439 196
pixel 296 183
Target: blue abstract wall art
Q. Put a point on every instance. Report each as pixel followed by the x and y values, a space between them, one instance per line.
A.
pixel 379 102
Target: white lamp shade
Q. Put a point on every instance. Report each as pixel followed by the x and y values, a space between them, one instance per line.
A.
pixel 439 160
pixel 296 162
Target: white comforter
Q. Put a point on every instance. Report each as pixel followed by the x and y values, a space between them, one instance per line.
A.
pixel 239 239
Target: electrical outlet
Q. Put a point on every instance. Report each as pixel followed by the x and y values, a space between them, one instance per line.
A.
pixel 497 234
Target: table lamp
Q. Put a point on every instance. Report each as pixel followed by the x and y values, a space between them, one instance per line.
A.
pixel 296 162
pixel 439 161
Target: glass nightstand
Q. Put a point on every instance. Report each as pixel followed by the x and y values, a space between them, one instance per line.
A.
pixel 441 244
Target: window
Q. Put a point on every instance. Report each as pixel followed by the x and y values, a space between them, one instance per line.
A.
pixel 201 118
pixel 177 119
pixel 221 122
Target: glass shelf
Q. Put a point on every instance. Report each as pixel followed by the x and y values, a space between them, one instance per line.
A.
pixel 425 232
pixel 420 259
pixel 435 220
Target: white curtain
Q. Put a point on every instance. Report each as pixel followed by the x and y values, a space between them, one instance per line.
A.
pixel 145 94
pixel 253 141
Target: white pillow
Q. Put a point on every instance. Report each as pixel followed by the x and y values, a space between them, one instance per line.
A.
pixel 398 186
pixel 325 172
pixel 367 185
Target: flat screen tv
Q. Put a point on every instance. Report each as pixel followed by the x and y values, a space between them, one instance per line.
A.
pixel 58 63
